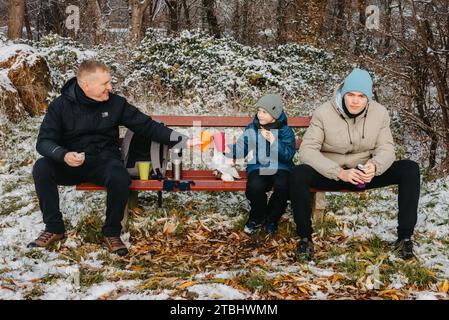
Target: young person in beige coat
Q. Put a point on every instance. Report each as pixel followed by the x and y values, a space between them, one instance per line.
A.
pixel 350 130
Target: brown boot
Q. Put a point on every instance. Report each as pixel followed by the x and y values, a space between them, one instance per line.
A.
pixel 115 245
pixel 45 239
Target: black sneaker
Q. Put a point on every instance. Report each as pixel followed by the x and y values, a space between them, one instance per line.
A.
pixel 252 226
pixel 271 227
pixel 304 250
pixel 404 248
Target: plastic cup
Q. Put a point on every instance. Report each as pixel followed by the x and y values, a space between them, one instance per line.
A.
pixel 144 169
pixel 219 141
pixel 205 137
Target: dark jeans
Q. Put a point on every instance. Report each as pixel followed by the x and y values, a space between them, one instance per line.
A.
pixel 404 173
pixel 256 192
pixel 110 173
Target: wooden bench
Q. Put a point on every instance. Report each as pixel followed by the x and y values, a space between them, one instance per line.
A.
pixel 205 180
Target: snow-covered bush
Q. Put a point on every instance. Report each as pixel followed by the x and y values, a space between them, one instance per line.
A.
pixel 63 56
pixel 196 63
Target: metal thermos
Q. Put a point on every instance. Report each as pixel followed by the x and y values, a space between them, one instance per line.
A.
pixel 360 168
pixel 176 163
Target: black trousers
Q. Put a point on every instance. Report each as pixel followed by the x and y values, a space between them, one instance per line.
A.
pixel 257 187
pixel 404 173
pixel 110 173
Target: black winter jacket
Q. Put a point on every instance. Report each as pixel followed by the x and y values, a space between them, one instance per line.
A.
pixel 71 125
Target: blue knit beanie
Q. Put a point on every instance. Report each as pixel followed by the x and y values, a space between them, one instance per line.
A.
pixel 358 80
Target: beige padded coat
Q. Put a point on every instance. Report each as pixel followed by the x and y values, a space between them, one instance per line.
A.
pixel 334 141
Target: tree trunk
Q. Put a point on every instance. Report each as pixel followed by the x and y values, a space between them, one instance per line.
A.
pixel 99 23
pixel 211 18
pixel 359 26
pixel 137 11
pixel 187 14
pixel 173 15
pixel 281 25
pixel 245 15
pixel 27 23
pixel 153 11
pixel 340 21
pixel 16 16
pixel 387 41
pixel 236 20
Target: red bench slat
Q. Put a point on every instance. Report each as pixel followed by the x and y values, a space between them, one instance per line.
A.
pixel 205 180
pixel 200 185
pixel 223 121
pixel 157 185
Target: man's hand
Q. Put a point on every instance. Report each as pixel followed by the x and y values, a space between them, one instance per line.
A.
pixel 73 159
pixel 370 171
pixel 351 175
pixel 193 142
pixel 267 135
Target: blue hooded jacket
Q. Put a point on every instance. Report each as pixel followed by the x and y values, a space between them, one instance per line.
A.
pixel 277 156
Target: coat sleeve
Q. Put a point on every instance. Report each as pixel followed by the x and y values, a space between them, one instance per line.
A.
pixel 383 155
pixel 285 145
pixel 143 125
pixel 310 150
pixel 49 139
pixel 244 144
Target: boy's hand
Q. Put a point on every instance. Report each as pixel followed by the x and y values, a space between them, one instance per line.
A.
pixel 227 150
pixel 267 135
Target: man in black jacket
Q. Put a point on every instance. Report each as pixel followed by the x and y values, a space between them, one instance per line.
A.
pixel 78 140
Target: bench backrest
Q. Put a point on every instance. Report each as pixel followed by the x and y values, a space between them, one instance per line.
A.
pixel 224 122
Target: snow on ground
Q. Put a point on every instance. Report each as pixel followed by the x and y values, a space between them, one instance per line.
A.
pixel 216 291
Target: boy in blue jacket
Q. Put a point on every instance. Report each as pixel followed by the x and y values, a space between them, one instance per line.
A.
pixel 272 144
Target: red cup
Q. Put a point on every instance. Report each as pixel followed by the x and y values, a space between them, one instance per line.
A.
pixel 219 141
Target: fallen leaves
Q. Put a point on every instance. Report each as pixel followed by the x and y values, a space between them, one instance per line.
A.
pixel 187 284
pixel 443 286
pixel 169 228
pixel 201 249
pixel 137 210
pixel 165 259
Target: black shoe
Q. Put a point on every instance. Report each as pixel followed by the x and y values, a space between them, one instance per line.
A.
pixel 252 226
pixel 271 227
pixel 304 250
pixel 404 248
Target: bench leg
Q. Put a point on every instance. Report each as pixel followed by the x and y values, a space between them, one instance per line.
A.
pixel 131 204
pixel 318 206
pixel 125 216
pixel 133 200
pixel 159 199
